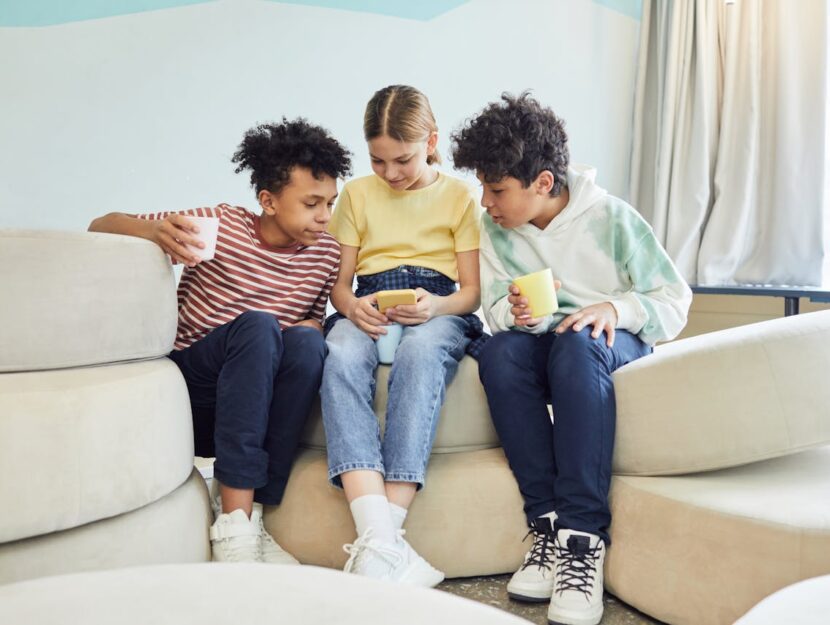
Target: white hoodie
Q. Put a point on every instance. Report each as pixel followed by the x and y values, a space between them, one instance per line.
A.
pixel 602 250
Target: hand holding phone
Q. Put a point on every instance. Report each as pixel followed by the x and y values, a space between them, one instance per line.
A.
pixel 398 297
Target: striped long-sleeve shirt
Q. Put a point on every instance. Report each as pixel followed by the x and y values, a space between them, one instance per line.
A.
pixel 292 283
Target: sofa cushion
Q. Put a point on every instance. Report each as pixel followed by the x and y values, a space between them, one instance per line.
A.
pixel 78 445
pixel 464 424
pixel 171 530
pixel 230 594
pixel 805 603
pixel 466 521
pixel 705 548
pixel 72 299
pixel 726 398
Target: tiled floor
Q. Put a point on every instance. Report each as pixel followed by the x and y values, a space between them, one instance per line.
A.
pixel 492 591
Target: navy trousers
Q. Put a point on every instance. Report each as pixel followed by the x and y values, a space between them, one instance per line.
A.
pixel 562 465
pixel 251 387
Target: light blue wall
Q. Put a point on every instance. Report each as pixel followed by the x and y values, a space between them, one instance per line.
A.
pixel 141 108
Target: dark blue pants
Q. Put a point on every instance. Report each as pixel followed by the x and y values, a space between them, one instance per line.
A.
pixel 565 465
pixel 251 387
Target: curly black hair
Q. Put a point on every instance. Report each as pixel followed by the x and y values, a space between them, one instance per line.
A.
pixel 271 151
pixel 515 137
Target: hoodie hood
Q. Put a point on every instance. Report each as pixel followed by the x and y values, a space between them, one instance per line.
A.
pixel 584 193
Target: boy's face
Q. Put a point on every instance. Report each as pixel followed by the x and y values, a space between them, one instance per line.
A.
pixel 301 211
pixel 402 165
pixel 510 204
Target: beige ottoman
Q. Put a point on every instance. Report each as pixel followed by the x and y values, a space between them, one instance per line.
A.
pixel 726 398
pixel 705 548
pixel 746 510
pixel 468 518
pixel 231 594
pixel 96 441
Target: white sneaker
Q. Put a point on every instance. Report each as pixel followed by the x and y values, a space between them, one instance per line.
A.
pixel 534 579
pixel 233 538
pixel 577 581
pixel 397 562
pixel 216 506
pixel 215 498
pixel 271 552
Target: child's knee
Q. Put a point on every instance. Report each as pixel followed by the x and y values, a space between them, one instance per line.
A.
pixel 505 353
pixel 347 345
pixel 572 348
pixel 310 346
pixel 257 322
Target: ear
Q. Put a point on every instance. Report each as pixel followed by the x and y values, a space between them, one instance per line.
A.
pixel 432 143
pixel 268 201
pixel 544 182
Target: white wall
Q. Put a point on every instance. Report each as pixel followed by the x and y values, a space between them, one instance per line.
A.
pixel 142 112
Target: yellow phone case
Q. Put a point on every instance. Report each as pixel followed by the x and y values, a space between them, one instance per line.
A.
pixel 396 297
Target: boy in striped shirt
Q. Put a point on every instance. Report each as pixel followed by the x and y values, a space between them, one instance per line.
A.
pixel 249 341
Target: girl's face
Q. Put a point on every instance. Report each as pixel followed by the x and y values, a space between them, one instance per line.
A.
pixel 403 165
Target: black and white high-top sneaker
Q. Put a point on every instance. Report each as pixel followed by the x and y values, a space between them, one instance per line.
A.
pixel 578 579
pixel 534 579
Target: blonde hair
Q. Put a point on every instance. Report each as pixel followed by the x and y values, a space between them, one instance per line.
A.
pixel 402 113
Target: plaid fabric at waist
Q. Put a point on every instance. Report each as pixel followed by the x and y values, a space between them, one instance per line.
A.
pixel 413 277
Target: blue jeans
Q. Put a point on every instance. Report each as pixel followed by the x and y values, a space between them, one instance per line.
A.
pixel 564 465
pixel 426 361
pixel 251 386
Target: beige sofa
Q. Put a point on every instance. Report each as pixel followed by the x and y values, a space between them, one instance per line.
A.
pixel 721 493
pixel 721 487
pixel 96 450
pixel 231 594
pixel 468 518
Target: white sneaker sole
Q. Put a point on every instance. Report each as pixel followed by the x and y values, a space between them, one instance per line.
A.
pixel 531 593
pixel 421 574
pixel 287 560
pixel 217 558
pixel 573 617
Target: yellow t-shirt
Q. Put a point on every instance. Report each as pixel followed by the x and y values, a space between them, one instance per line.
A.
pixel 424 227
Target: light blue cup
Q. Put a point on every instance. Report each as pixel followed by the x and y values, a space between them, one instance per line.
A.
pixel 388 343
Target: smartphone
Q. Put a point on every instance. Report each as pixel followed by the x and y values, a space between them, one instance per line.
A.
pixel 387 299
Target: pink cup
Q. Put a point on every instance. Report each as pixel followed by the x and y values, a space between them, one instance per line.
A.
pixel 208 231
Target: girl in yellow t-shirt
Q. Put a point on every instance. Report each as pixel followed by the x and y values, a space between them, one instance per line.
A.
pixel 406 226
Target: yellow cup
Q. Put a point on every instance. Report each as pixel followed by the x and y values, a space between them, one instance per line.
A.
pixel 538 288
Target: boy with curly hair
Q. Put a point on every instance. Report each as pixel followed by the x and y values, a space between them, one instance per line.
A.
pixel 249 342
pixel 619 294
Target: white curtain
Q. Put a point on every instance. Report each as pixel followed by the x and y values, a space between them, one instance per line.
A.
pixel 728 156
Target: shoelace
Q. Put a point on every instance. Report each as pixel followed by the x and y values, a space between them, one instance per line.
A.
pixel 239 549
pixel 576 570
pixel 363 544
pixel 541 554
pixel 266 541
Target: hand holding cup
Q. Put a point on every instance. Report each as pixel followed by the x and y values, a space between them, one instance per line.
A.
pixel 533 297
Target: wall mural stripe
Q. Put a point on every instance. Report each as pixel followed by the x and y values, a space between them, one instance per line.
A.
pixel 16 13
pixel 631 8
pixel 424 10
pixel 29 13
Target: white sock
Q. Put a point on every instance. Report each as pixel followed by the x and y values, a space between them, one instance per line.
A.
pixel 398 515
pixel 372 511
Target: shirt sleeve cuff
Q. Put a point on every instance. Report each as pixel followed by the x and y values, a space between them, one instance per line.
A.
pixel 631 315
pixel 543 327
